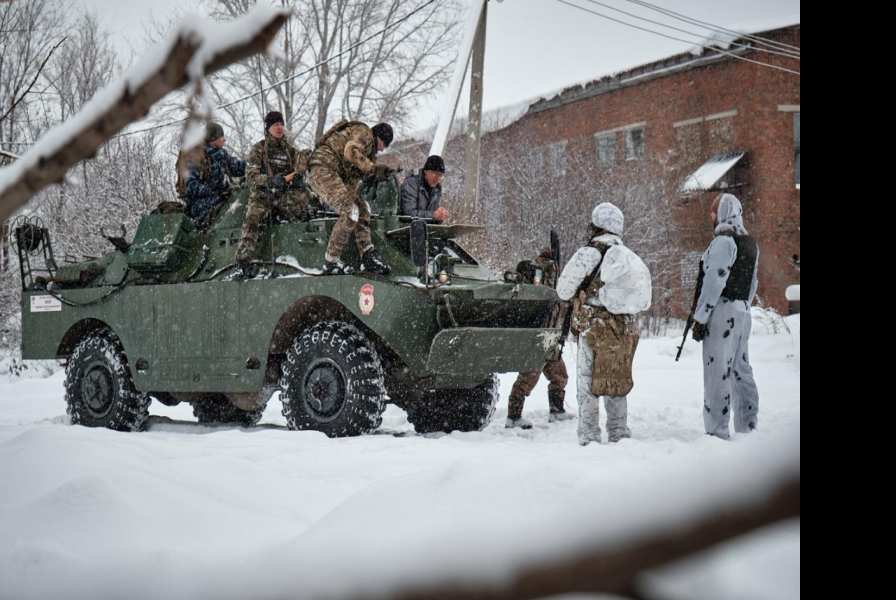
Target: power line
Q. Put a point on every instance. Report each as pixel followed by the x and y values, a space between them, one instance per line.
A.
pixel 716 28
pixel 292 77
pixel 697 35
pixel 749 60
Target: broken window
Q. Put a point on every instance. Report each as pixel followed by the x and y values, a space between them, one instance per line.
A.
pixel 634 144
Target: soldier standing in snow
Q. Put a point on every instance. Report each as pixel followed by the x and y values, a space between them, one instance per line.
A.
pixel 610 285
pixel 723 322
pixel 554 370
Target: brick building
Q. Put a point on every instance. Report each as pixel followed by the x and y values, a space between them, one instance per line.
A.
pixel 669 135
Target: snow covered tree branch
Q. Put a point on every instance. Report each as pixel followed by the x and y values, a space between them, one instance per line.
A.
pixel 617 571
pixel 194 52
pixel 697 513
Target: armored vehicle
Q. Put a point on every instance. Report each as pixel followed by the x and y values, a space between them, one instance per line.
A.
pixel 171 316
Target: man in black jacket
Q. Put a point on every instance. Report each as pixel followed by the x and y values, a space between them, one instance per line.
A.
pixel 421 192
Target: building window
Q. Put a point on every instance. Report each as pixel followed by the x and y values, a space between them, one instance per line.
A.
pixel 557 159
pixel 606 150
pixel 796 139
pixel 634 144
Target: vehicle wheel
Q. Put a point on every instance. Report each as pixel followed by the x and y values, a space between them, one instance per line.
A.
pixel 333 382
pixel 99 389
pixel 448 411
pixel 217 410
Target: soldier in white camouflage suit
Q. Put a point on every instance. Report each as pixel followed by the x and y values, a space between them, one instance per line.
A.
pixel 609 285
pixel 729 283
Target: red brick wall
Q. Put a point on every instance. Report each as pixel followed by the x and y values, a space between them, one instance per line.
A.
pixel 771 200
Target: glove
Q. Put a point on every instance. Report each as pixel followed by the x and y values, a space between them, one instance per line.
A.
pixel 277 182
pixel 381 172
pixel 700 332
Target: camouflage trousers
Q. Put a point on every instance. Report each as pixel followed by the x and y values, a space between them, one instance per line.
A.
pixel 289 205
pixel 555 372
pixel 729 386
pixel 589 404
pixel 354 215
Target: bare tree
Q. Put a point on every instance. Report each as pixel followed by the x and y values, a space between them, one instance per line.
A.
pixel 30 32
pixel 382 79
pixel 88 65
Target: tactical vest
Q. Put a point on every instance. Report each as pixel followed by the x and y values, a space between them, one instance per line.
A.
pixel 740 281
pixel 593 290
pixel 322 144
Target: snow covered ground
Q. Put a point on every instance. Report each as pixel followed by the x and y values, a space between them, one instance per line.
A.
pixel 190 512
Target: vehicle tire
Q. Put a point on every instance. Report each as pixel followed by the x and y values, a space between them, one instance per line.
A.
pixel 333 382
pixel 99 389
pixel 447 411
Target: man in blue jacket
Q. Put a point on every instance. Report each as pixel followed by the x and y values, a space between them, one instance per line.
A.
pixel 212 170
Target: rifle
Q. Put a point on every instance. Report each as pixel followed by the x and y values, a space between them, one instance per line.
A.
pixel 555 255
pixel 567 320
pixel 690 324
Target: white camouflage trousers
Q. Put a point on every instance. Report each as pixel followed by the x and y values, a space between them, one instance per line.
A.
pixel 728 381
pixel 589 404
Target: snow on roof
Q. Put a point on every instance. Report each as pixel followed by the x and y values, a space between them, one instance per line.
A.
pixel 793 293
pixel 725 40
pixel 711 172
pixel 499 118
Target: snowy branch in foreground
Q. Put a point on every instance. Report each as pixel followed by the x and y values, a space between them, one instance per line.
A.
pixel 652 525
pixel 617 571
pixel 199 48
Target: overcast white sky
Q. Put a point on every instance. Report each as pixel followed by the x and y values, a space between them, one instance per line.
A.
pixel 534 46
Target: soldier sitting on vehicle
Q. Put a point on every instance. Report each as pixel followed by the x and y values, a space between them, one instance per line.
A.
pixel 276 176
pixel 211 172
pixel 421 192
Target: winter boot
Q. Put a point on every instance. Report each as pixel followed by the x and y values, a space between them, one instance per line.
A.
pixel 370 263
pixel 337 268
pixel 515 418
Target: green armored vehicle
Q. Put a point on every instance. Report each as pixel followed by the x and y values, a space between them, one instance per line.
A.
pixel 171 316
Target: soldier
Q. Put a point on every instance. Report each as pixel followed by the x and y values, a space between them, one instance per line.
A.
pixel 554 370
pixel 342 157
pixel 610 285
pixel 211 173
pixel 421 192
pixel 723 322
pixel 275 175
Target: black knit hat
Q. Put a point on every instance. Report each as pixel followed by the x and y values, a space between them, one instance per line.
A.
pixel 435 163
pixel 213 131
pixel 384 132
pixel 272 119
